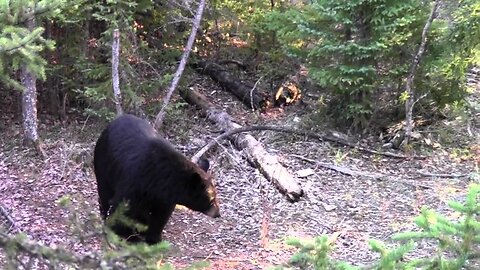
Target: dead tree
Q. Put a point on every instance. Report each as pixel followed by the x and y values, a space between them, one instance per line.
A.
pixel 266 162
pixel 181 66
pixel 411 76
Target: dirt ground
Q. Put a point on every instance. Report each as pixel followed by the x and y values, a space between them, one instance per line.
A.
pixel 256 217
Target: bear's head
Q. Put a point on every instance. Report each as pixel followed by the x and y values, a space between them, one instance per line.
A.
pixel 202 195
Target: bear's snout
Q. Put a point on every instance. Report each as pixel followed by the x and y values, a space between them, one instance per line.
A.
pixel 213 212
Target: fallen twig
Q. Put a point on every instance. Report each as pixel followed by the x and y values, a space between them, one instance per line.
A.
pixel 443 175
pixel 298 132
pixel 340 169
pixel 8 220
pixel 351 172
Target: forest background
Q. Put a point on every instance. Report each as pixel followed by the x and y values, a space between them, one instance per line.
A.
pixel 397 76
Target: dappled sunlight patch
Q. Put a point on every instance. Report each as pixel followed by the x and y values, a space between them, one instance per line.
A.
pixel 448 192
pixel 181 208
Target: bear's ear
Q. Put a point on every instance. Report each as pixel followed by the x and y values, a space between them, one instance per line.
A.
pixel 204 164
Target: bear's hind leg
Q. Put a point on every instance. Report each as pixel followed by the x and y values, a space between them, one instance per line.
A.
pixel 105 195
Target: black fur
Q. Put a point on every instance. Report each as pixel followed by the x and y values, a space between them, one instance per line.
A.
pixel 134 165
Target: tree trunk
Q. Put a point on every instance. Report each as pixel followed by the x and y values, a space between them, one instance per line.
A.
pixel 411 76
pixel 183 62
pixel 266 162
pixel 29 103
pixel 117 95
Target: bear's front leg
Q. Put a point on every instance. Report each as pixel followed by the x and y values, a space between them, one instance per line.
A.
pixel 159 216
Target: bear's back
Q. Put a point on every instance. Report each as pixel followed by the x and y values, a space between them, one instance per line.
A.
pixel 124 145
pixel 132 142
pixel 129 127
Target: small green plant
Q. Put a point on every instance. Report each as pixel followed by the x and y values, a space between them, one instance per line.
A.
pixel 458 243
pixel 176 109
pixel 339 157
pixel 314 253
pixel 119 217
pixel 461 154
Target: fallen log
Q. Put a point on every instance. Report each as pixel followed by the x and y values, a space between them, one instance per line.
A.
pixel 256 154
pixel 248 94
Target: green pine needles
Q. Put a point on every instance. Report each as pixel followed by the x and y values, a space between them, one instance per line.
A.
pixel 361 50
pixel 352 48
pixel 19 45
pixel 458 241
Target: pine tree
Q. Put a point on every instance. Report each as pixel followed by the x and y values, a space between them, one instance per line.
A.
pixel 20 46
pixel 353 48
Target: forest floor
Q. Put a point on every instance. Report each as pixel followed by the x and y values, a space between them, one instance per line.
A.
pixel 256 217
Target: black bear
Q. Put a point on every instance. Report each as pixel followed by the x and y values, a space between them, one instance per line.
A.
pixel 134 165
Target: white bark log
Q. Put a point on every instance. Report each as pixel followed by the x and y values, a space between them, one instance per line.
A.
pixel 266 162
pixel 117 95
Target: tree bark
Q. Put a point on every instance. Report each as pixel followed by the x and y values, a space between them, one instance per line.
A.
pixel 267 163
pixel 29 103
pixel 181 66
pixel 249 95
pixel 117 95
pixel 411 76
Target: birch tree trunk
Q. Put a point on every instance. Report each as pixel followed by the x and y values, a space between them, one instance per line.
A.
pixel 411 76
pixel 181 66
pixel 29 103
pixel 117 95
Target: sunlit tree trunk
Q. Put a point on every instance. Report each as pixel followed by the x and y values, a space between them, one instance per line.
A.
pixel 29 103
